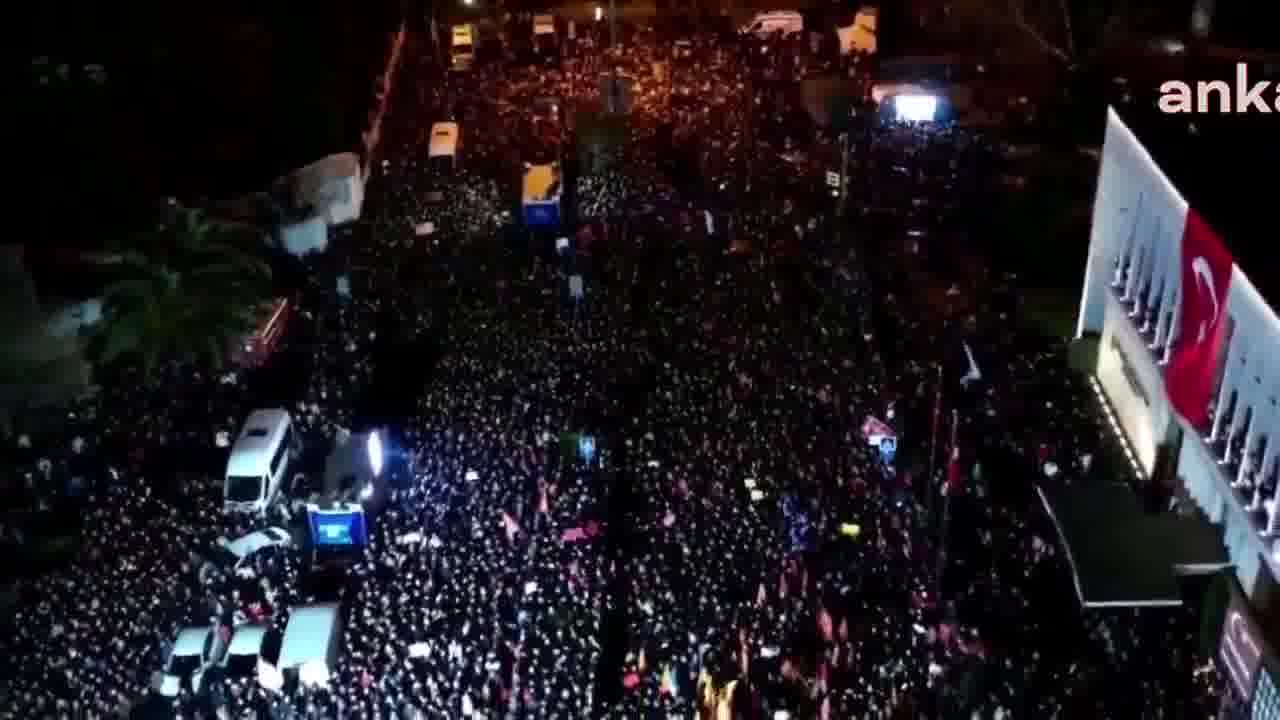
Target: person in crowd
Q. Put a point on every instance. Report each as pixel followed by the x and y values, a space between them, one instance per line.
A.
pixel 730 546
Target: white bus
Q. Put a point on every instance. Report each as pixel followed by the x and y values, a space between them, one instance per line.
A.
pixel 259 461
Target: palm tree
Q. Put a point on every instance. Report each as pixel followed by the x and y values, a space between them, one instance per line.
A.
pixel 187 290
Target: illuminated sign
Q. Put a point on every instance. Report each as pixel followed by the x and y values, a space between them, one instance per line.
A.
pixel 1240 652
pixel 1130 373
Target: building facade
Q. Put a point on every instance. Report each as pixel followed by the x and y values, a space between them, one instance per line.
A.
pixel 1189 353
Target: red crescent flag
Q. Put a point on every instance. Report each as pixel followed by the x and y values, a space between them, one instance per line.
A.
pixel 1206 281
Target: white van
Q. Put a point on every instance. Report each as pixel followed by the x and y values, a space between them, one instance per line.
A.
pixel 312 639
pixel 462 47
pixel 259 461
pixel 765 24
pixel 442 148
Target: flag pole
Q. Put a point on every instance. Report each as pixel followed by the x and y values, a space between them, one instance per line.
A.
pixel 933 442
pixel 946 502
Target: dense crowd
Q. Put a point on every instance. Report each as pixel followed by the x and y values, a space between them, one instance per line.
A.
pixel 655 501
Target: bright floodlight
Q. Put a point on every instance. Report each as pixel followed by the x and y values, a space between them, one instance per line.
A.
pixel 366 492
pixel 915 108
pixel 375 453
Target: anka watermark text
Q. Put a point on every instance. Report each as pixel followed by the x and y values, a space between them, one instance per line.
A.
pixel 1219 96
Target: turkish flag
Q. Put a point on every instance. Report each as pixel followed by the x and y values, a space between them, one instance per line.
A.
pixel 1206 280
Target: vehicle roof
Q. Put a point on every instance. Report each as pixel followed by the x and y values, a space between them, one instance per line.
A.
pixel 539 180
pixel 190 641
pixel 444 139
pixel 251 453
pixel 247 545
pixel 247 640
pixel 306 637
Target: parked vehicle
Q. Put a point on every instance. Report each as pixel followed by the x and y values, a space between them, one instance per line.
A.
pixel 194 651
pixel 230 556
pixel 765 24
pixel 312 640
pixel 259 461
pixel 462 47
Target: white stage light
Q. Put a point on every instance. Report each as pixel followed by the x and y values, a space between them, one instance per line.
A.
pixel 916 108
pixel 375 453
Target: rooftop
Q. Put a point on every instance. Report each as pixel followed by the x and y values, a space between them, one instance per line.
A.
pixel 1223 166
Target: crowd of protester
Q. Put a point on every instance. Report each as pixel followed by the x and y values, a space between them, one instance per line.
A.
pixel 654 501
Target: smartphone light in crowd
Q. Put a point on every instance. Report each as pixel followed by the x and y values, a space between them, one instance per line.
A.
pixel 757 495
pixel 915 108
pixel 366 492
pixel 472 476
pixel 750 483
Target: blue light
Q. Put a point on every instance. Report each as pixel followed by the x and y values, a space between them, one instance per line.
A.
pixel 375 453
pixel 587 447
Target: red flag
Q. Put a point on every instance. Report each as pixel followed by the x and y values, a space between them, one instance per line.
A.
pixel 1206 278
pixel 955 478
pixel 826 625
